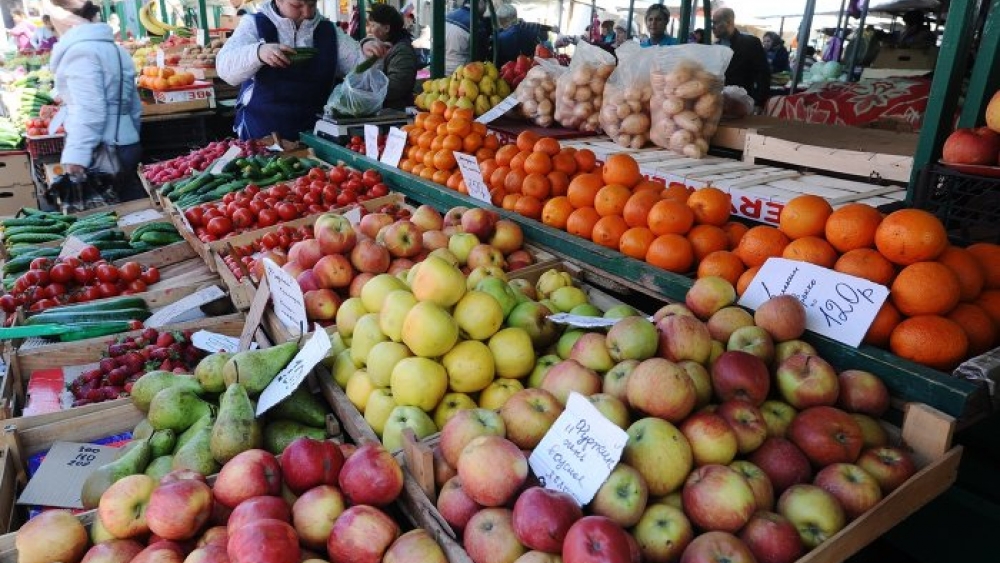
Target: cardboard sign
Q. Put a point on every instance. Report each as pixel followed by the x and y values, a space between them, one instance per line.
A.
pixel 59 479
pixel 579 451
pixel 394 145
pixel 505 105
pixel 291 377
pixel 212 342
pixel 582 321
pixel 72 247
pixel 230 155
pixel 171 312
pixel 839 306
pixel 198 92
pixel 473 177
pixel 371 141
pixel 144 216
pixel 755 207
pixel 353 215
pixel 289 304
pixel 255 314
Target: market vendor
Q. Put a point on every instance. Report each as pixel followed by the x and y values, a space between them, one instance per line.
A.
pixel 748 67
pixel 275 94
pixel 385 24
pixel 657 18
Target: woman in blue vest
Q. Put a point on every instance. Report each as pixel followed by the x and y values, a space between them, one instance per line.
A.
pixel 276 95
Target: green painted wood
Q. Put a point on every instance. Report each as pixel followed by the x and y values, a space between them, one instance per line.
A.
pixel 946 87
pixel 684 19
pixel 363 16
pixel 985 76
pixel 203 21
pixel 437 39
pixel 905 379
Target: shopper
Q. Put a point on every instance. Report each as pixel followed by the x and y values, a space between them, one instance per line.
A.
pixel 22 31
pixel 657 19
pixel 386 25
pixel 777 54
pixel 457 28
pixel 276 95
pixel 96 80
pixel 697 36
pixel 517 37
pixel 917 34
pixel 748 67
pixel 45 36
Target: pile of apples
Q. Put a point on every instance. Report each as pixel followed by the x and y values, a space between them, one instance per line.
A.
pixel 321 502
pixel 343 258
pixel 743 444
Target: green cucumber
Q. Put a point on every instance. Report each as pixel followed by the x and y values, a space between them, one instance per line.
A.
pixel 95 329
pixel 55 316
pixel 109 304
pixel 161 239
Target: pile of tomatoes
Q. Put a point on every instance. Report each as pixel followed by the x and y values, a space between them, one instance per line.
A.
pixel 243 258
pixel 51 282
pixel 357 144
pixel 255 208
pixel 198 160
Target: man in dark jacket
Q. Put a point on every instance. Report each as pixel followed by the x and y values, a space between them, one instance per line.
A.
pixel 748 68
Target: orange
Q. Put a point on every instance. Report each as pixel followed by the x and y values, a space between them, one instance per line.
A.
pixel 724 264
pixel 425 140
pixel 564 163
pixel 479 128
pixel 608 231
pixel 463 113
pixel 496 194
pixel 427 173
pixel 484 154
pixel 583 189
pixel 910 235
pixel 745 278
pixel 454 179
pixel 509 201
pixel 406 165
pixel 529 206
pixel 931 340
pixel 547 145
pixel 978 326
pixel 759 244
pixel 472 143
pixel 989 301
pixel 676 190
pixel 491 142
pixel 852 226
pixel 556 211
pixel 925 288
pixel 710 205
pixel 670 216
pixel 505 154
pixel 459 126
pixel 586 160
pixel 812 249
pixel 635 242
pixel 498 176
pixel 706 239
pixel 647 185
pixel 417 168
pixel 866 263
pixel 988 256
pixel 442 129
pixel 638 205
pixel 621 169
pixel 882 325
pixel 487 167
pixel 971 277
pixel 804 216
pixel 432 122
pixel 429 158
pixel 526 141
pixel 538 163
pixel 438 143
pixel 444 160
pixel 559 182
pixel 672 252
pixel 581 222
pixel 536 185
pixel 735 231
pixel 517 163
pixel 441 176
pixel 462 188
pixel 512 183
pixel 611 199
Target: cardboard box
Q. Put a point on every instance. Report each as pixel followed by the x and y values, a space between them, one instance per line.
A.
pixel 17 188
pixel 200 90
pixel 915 59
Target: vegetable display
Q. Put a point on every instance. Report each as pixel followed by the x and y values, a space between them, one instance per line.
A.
pixel 580 92
pixel 687 100
pixel 198 160
pixel 260 171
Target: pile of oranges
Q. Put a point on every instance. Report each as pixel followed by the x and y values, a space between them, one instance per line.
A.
pixel 944 300
pixel 433 138
pixel 163 78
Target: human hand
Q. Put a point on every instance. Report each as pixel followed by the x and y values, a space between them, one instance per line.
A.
pixel 274 54
pixel 374 48
pixel 75 171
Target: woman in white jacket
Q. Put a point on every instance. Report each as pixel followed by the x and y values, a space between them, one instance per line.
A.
pixel 96 80
pixel 275 95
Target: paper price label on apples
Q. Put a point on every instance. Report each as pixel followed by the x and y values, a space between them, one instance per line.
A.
pixel 395 142
pixel 289 304
pixel 473 177
pixel 579 451
pixel 353 215
pixel 839 306
pixel 498 110
pixel 71 247
pixel 581 321
pixel 288 379
pixel 371 141
pixel 230 155
pixel 171 312
pixel 212 342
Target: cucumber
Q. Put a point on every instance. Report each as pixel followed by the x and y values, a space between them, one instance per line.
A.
pixel 55 228
pixel 118 254
pixel 110 304
pixel 104 235
pixel 32 238
pixel 106 245
pixel 55 316
pixel 95 329
pixel 161 239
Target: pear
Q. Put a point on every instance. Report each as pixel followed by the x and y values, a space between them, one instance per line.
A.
pixel 196 454
pixel 133 459
pixel 254 369
pixel 176 408
pixel 279 433
pixel 162 442
pixel 209 372
pixel 160 467
pixel 236 429
pixel 204 422
pixel 147 386
pixel 302 407
pixel 143 430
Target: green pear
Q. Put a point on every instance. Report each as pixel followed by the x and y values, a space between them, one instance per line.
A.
pixel 279 433
pixel 204 422
pixel 147 386
pixel 302 407
pixel 143 430
pixel 254 369
pixel 176 408
pixel 160 467
pixel 209 372
pixel 196 454
pixel 132 459
pixel 236 429
pixel 162 442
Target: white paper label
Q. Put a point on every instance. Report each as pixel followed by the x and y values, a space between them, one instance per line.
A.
pixel 230 155
pixel 181 306
pixel 473 177
pixel 579 451
pixel 371 141
pixel 394 145
pixel 71 247
pixel 60 477
pixel 353 215
pixel 498 110
pixel 213 342
pixel 839 306
pixel 57 120
pixel 582 321
pixel 143 216
pixel 161 58
pixel 315 349
pixel 286 295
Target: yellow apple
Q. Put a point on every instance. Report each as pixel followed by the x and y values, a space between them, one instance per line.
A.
pixel 470 366
pixel 395 306
pixel 438 281
pixel 419 382
pixel 429 330
pixel 378 408
pixel 513 353
pixel 382 358
pixel 375 290
pixel 359 387
pixel 450 404
pixel 343 368
pixel 479 315
pixel 494 396
pixel 366 335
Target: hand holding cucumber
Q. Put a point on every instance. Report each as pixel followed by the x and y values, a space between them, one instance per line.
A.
pixel 275 54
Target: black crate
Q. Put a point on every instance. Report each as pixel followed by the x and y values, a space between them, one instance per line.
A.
pixel 968 205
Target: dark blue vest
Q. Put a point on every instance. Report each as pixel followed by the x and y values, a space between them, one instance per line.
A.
pixel 287 100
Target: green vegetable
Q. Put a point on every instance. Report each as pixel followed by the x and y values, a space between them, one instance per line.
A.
pixel 56 316
pixel 110 304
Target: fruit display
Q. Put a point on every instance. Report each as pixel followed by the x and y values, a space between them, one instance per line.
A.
pixel 977 146
pixel 150 20
pixel 163 78
pixel 685 107
pixel 513 72
pixel 580 91
pixel 260 171
pixel 10 134
pixel 39 126
pixel 141 54
pixel 476 86
pixel 255 207
pixel 536 94
pixel 201 57
pixel 434 137
pixel 198 160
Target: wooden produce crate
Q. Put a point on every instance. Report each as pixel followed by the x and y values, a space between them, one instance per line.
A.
pixel 162 256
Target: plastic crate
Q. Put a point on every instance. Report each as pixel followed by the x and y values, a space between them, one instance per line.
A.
pixel 968 205
pixel 45 145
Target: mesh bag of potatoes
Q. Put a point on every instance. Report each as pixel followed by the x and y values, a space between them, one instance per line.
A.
pixel 536 94
pixel 625 108
pixel 580 91
pixel 686 104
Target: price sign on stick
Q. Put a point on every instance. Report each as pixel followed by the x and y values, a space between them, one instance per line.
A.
pixel 394 145
pixel 371 141
pixel 837 305
pixel 473 177
pixel 582 321
pixel 214 342
pixel 498 110
pixel 289 304
pixel 230 155
pixel 288 379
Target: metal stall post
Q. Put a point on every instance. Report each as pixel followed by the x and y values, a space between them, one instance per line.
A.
pixel 437 39
pixel 805 27
pixel 856 43
pixel 628 20
pixel 685 18
pixel 473 28
pixel 706 36
pixel 985 77
pixel 362 17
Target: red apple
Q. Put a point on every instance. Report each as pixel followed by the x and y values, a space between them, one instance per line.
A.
pixel 519 259
pixel 760 484
pixel 160 552
pixel 427 218
pixel 307 463
pixel 370 257
pixel 113 551
pixel 314 513
pixel 507 236
pixel 783 463
pixel 717 547
pixel 209 554
pixel 862 392
pixel 453 217
pixel 372 223
pixel 660 388
pixel 772 538
pixel 53 535
pixel 492 470
pixel 805 380
pixel 485 255
pixel 890 466
pixel 718 498
pixel 250 474
pixel 712 439
pixel 971 146
pixel 178 510
pixel 596 539
pixel 542 517
pixel 455 505
pixel 371 476
pixel 746 421
pixel 335 234
pixel 361 534
pixel 528 415
pixel 480 222
pixel 403 239
pixel 782 316
pixel 307 280
pixel 489 537
pixel 358 283
pixel 466 425
pixel 181 474
pixel 259 508
pixel 683 337
pixel 826 435
pixel 815 513
pixel 321 304
pixel 214 535
pixel 264 541
pixel 333 271
pixel 122 507
pixel 305 253
pixel 853 487
pixel 740 375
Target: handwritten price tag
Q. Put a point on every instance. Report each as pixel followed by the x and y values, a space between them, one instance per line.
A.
pixel 498 110
pixel 173 311
pixel 71 247
pixel 837 305
pixel 579 451
pixel 582 321
pixel 214 342
pixel 371 141
pixel 286 294
pixel 291 377
pixel 473 177
pixel 395 142
pixel 161 58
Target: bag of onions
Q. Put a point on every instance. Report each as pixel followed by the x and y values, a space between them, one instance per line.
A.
pixel 579 92
pixel 625 109
pixel 537 92
pixel 686 105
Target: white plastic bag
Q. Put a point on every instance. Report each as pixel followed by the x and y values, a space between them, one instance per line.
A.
pixel 360 94
pixel 736 103
pixel 686 106
pixel 625 108
pixel 580 92
pixel 537 92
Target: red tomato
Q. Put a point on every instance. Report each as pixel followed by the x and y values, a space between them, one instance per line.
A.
pixel 130 271
pixel 210 214
pixel 310 199
pixel 220 226
pixel 61 273
pixel 316 208
pixel 107 273
pixel 229 198
pixel 337 174
pixel 91 293
pixel 8 303
pixel 83 275
pixel 280 190
pixel 354 184
pixel 74 261
pixel 379 190
pixel 54 290
pixel 41 264
pixel 151 276
pixel 252 190
pixel 346 197
pixel 108 289
pixel 267 217
pixel 194 216
pixel 243 218
pixel 256 206
pixel 371 177
pixel 90 253
pixel 329 194
pixel 137 286
pixel 270 240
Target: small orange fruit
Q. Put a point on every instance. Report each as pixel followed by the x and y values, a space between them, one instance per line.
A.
pixel 621 168
pixel 804 216
pixel 672 252
pixel 866 263
pixel 635 242
pixel 883 324
pixel 611 199
pixel 970 274
pixel 536 185
pixel 978 327
pixel 538 163
pixel 723 264
pixel 759 244
pixel 925 288
pixel 670 216
pixel 706 239
pixel 988 256
pixel 636 210
pixel 526 141
pixel 583 189
pixel 852 226
pixel 529 206
pixel 556 212
pixel 608 231
pixel 812 249
pixel 586 160
pixel 547 145
pixel 745 279
pixel 711 206
pixel 910 235
pixel 735 231
pixel 931 340
pixel 581 222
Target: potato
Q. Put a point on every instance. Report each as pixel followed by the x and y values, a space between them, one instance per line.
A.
pixel 635 124
pixel 692 151
pixel 583 95
pixel 638 141
pixel 545 107
pixel 680 139
pixel 707 105
pixel 582 75
pixel 672 106
pixel 691 89
pixel 636 107
pixel 688 121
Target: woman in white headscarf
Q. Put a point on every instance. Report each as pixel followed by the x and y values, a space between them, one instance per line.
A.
pixel 96 80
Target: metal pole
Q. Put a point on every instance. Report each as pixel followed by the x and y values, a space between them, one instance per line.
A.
pixel 473 29
pixel 628 20
pixel 163 11
pixel 437 39
pixel 685 18
pixel 857 40
pixel 203 20
pixel 706 35
pixel 805 26
pixel 840 16
pixel 494 26
pixel 781 27
pixel 362 17
pixel 985 75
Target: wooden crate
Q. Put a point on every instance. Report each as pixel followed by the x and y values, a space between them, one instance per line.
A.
pixel 160 257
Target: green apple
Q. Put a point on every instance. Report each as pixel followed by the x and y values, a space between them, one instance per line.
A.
pixel 778 417
pixel 567 340
pixel 420 382
pixel 542 366
pixel 621 311
pixel 585 310
pixel 497 393
pixel 366 335
pixel 480 273
pixel 622 497
pixel 701 380
pixel 500 290
pixel 348 314
pixel 660 452
pixel 395 306
pixel 375 290
pixel 378 408
pixel 663 532
pixel 632 338
pixel 565 298
pixel 513 352
pixel 450 405
pixel 428 329
pixel 382 358
pixel 478 314
pixel 534 318
pixel 460 244
pixel 403 417
pixel 470 366
pixel 359 387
